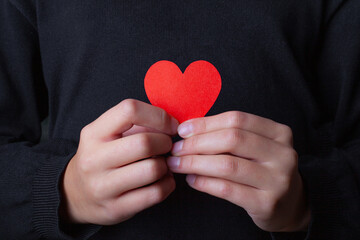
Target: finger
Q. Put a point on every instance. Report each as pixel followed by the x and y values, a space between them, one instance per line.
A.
pixel 244 196
pixel 140 199
pixel 139 129
pixel 132 148
pixel 131 112
pixel 227 167
pixel 235 141
pixel 134 176
pixel 235 119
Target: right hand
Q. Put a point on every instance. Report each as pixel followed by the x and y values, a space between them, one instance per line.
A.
pixel 105 183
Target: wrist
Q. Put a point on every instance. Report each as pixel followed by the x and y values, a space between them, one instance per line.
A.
pixel 303 215
pixel 67 204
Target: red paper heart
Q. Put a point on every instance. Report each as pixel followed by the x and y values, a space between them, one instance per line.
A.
pixel 183 95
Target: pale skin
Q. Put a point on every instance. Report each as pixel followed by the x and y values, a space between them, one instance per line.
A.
pixel 248 160
pixel 105 183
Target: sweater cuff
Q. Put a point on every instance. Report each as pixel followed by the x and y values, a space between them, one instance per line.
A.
pixel 324 196
pixel 46 202
pixel 293 235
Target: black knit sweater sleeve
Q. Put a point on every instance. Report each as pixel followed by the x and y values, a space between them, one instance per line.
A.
pixel 30 171
pixel 331 171
pixel 332 176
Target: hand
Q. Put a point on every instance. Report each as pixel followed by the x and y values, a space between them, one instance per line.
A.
pixel 247 160
pixel 105 182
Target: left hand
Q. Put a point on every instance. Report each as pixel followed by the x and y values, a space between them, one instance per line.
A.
pixel 247 160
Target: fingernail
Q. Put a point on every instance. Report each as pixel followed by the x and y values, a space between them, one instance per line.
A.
pixel 174 125
pixel 173 162
pixel 177 147
pixel 185 129
pixel 191 179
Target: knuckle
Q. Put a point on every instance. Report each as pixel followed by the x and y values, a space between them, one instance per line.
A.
pixel 225 190
pixel 144 140
pixel 86 164
pixel 201 183
pixel 144 143
pixel 152 166
pixel 246 171
pixel 85 132
pixel 156 168
pixel 157 195
pixel 187 162
pixel 290 156
pixel 167 143
pixel 165 119
pixel 286 130
pixel 237 119
pixel 128 107
pixel 284 185
pixel 201 125
pixel 286 133
pixel 233 137
pixel 191 143
pixel 293 155
pixel 228 166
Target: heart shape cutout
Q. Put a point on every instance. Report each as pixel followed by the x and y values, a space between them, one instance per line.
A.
pixel 183 95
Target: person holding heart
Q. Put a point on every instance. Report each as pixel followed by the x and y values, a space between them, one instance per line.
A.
pixel 242 158
pixel 180 119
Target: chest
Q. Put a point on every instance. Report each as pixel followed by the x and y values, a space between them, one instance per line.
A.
pixel 97 53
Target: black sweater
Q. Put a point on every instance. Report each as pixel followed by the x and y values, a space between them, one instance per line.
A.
pixel 294 61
